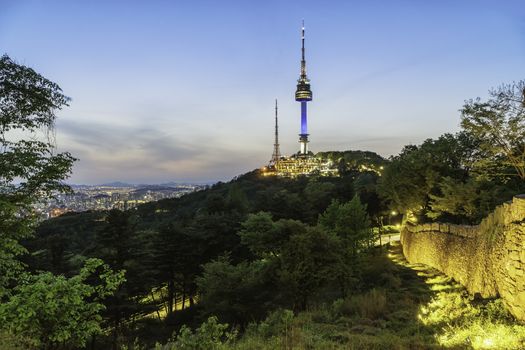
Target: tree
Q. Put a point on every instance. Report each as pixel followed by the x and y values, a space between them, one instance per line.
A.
pixel 119 244
pixel 467 202
pixel 29 168
pixel 365 185
pixel 165 261
pixel 176 259
pixel 52 312
pixel 46 309
pixel 350 222
pixel 415 174
pixel 261 235
pixel 236 293
pixel 308 262
pixel 499 123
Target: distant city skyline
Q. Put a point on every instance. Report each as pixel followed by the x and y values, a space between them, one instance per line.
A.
pixel 185 91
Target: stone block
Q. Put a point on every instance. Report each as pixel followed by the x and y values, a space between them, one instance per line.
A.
pixel 514 272
pixel 520 299
pixel 522 256
pixel 509 281
pixel 514 255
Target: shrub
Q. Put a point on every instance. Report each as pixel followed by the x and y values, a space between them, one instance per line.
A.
pixel 277 323
pixel 211 335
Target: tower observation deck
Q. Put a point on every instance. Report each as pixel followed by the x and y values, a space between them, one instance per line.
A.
pixel 303 94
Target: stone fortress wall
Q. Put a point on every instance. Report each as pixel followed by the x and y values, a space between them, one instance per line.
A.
pixel 488 259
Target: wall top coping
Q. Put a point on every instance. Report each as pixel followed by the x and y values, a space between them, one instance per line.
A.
pixel 507 212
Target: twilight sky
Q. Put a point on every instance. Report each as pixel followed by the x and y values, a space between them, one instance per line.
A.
pixel 184 90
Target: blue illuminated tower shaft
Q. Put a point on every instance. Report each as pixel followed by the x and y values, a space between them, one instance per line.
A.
pixel 304 120
pixel 303 94
pixel 303 136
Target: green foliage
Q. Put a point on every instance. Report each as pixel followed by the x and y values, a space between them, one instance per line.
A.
pixel 416 172
pixel 467 202
pixel 10 341
pixel 123 247
pixel 170 242
pixel 350 222
pixel 211 335
pixel 41 310
pixel 352 161
pixel 371 305
pixel 48 310
pixel 238 293
pixel 28 100
pixel 457 198
pixel 499 124
pixel 462 177
pixel 309 261
pixel 298 259
pixel 277 323
pixel 261 234
pixel 29 169
pixel 319 194
pixel 445 179
pixel 460 322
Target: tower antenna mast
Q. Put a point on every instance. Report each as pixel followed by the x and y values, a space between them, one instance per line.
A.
pixel 276 152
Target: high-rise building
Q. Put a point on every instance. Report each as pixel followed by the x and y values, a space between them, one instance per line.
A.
pixel 303 94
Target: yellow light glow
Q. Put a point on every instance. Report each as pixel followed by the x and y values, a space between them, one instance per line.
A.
pixel 488 342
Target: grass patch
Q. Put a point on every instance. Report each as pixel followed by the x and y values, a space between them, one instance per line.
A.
pixel 371 305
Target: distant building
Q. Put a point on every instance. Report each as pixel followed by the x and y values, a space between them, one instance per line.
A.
pixel 55 212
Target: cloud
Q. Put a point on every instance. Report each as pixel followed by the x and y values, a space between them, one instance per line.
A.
pixel 108 152
pixel 108 139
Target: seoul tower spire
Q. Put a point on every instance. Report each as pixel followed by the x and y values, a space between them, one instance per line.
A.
pixel 303 94
pixel 276 152
pixel 303 61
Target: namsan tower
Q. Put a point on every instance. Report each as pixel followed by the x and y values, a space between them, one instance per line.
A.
pixel 303 94
pixel 302 163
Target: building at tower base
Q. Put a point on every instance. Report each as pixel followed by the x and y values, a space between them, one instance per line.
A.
pixel 299 165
